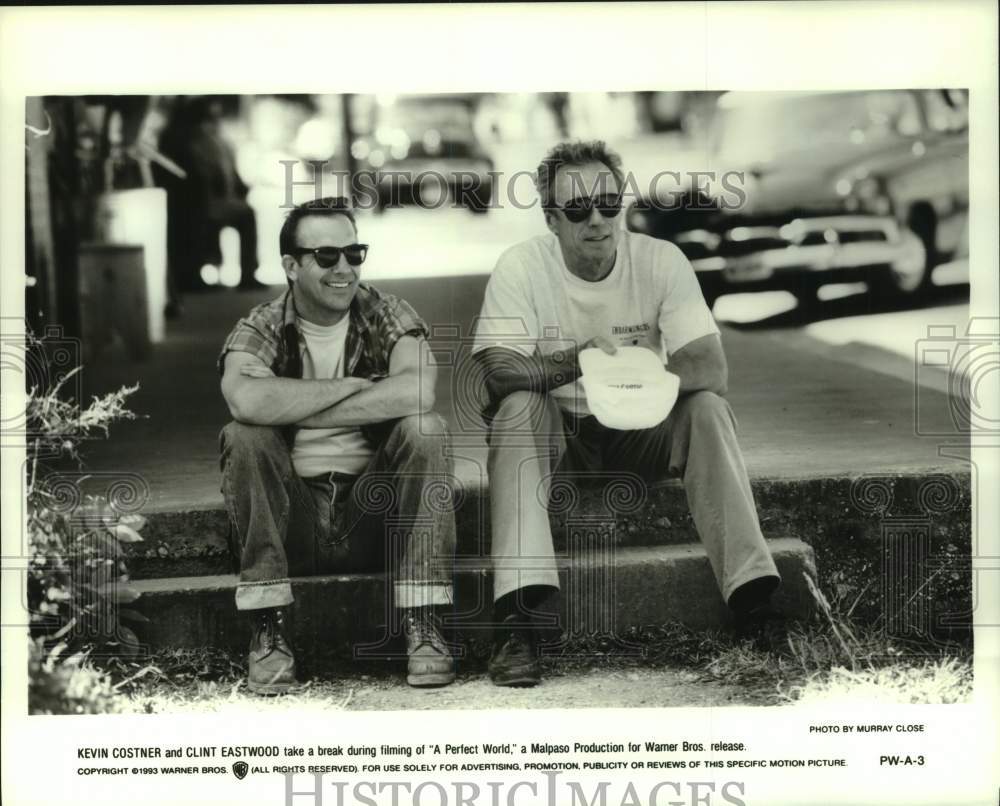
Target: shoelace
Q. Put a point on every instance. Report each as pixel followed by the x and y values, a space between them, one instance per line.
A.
pixel 425 633
pixel 516 638
pixel 271 631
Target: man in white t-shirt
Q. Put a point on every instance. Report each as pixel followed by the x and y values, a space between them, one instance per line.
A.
pixel 331 388
pixel 589 283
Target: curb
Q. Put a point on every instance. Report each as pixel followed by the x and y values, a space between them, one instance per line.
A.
pixel 604 592
pixel 860 527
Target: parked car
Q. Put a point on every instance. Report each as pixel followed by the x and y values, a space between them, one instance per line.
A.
pixel 424 150
pixel 836 187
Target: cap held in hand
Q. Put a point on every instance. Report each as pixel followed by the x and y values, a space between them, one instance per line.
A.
pixel 629 390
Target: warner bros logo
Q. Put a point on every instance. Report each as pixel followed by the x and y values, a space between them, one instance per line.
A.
pixel 240 769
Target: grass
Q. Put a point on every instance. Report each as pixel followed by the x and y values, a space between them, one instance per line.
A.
pixel 942 681
pixel 829 659
pixel 814 669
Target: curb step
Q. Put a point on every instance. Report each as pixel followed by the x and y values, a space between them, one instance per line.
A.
pixel 837 513
pixel 606 591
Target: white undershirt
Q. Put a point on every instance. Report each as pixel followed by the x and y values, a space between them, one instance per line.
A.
pixel 651 298
pixel 324 450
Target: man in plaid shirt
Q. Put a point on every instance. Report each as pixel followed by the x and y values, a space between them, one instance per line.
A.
pixel 331 389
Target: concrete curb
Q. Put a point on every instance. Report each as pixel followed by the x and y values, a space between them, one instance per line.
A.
pixel 854 525
pixel 605 592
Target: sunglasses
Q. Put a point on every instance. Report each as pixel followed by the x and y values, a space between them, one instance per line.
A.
pixel 579 209
pixel 329 256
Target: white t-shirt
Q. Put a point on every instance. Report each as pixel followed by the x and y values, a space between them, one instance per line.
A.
pixel 324 450
pixel 533 302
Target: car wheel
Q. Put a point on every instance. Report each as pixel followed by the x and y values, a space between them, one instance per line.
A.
pixel 710 291
pixel 908 275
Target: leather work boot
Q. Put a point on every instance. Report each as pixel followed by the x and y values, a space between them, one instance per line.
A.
pixel 514 661
pixel 764 625
pixel 271 663
pixel 429 660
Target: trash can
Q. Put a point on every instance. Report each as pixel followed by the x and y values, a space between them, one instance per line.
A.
pixel 113 298
pixel 139 216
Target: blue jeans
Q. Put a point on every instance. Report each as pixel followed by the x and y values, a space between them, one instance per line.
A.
pixel 397 516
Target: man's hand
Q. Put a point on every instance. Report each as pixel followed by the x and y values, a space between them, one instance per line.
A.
pixel 600 343
pixel 534 373
pixel 408 389
pixel 506 371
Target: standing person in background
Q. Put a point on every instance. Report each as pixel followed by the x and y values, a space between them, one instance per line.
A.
pixel 211 197
pixel 218 194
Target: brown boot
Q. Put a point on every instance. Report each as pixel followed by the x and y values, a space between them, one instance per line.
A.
pixel 430 662
pixel 271 663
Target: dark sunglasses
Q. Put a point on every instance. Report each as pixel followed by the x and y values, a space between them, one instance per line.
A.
pixel 579 209
pixel 329 256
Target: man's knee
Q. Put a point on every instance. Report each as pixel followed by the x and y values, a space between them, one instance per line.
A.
pixel 708 410
pixel 428 431
pixel 522 410
pixel 250 441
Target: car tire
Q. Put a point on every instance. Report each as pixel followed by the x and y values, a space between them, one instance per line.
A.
pixel 807 293
pixel 710 290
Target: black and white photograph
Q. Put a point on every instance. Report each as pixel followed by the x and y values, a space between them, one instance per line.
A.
pixel 490 424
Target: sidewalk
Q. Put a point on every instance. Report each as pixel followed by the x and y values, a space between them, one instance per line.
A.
pixel 801 415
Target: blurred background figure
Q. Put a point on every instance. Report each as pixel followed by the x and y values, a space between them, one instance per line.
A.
pixel 211 198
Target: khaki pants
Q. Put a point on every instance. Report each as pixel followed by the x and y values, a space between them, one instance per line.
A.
pixel 531 439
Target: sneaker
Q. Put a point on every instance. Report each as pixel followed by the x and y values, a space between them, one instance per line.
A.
pixel 765 626
pixel 514 661
pixel 271 662
pixel 429 660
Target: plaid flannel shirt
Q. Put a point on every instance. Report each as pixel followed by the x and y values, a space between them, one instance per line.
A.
pixel 377 321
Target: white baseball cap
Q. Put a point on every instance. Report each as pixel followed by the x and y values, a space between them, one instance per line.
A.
pixel 629 390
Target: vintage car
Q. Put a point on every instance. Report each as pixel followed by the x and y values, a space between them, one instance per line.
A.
pixel 424 150
pixel 826 187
